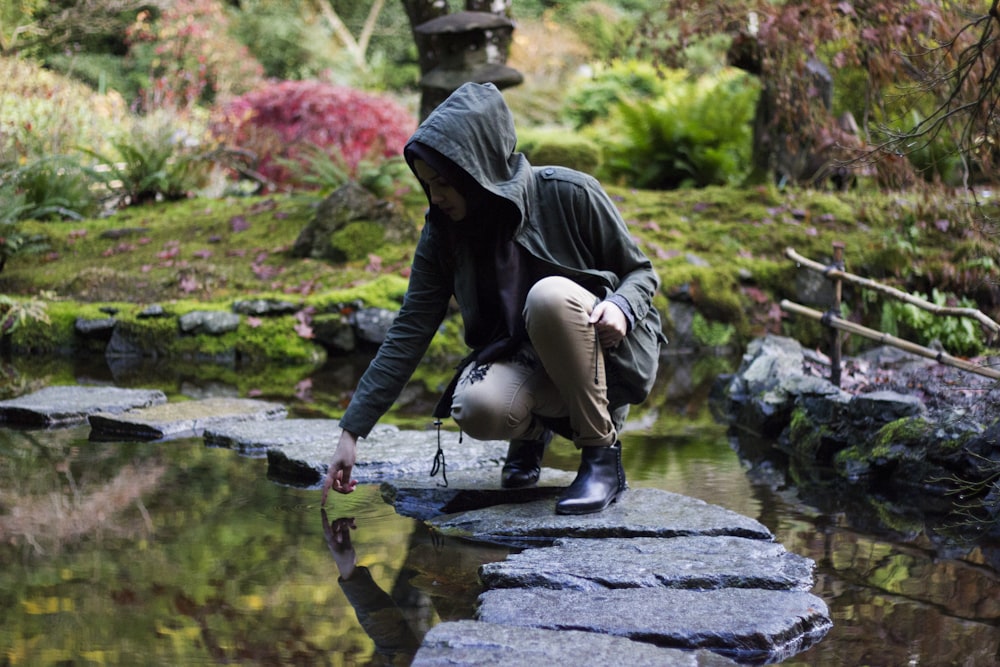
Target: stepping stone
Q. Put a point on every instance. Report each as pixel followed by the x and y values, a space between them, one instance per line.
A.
pixel 255 438
pixel 697 562
pixel 747 625
pixel 185 418
pixel 299 451
pixel 473 643
pixel 424 497
pixel 636 513
pixel 69 405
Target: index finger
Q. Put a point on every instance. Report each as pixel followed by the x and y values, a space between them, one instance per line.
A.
pixel 327 483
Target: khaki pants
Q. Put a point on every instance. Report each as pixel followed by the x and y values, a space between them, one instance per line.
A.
pixel 559 374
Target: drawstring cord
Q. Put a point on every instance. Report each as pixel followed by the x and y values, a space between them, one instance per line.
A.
pixel 597 357
pixel 439 463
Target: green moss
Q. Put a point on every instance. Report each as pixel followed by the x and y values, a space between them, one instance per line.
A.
pixel 896 441
pixel 356 240
pixel 711 334
pixel 57 336
pixel 384 291
pixel 904 431
pixel 275 340
pixel 805 435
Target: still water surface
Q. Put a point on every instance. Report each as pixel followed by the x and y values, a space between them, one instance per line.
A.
pixel 178 554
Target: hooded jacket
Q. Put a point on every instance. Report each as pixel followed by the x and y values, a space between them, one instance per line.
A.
pixel 563 218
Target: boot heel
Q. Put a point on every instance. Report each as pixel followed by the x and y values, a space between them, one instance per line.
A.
pixel 524 462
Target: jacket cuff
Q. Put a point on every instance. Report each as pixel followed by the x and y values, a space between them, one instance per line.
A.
pixel 623 304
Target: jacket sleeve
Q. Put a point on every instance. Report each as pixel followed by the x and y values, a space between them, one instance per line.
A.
pixel 596 239
pixel 424 308
pixel 620 253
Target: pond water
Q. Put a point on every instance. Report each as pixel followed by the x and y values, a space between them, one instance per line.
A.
pixel 175 553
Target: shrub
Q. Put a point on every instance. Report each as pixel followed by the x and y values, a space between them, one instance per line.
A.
pixel 605 28
pixel 285 120
pixel 957 335
pixel 592 99
pixel 52 188
pixel 190 56
pixel 158 160
pixel 14 243
pixel 44 114
pixel 696 134
pixel 560 147
pixel 15 313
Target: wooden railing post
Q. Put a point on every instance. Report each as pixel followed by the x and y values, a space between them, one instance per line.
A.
pixel 835 337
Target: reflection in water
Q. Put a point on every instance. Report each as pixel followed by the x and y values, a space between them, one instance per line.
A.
pixel 176 553
pixel 380 614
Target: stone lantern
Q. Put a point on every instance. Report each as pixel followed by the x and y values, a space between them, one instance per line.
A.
pixel 467 46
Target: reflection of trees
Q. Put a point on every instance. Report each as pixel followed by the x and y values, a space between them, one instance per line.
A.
pixel 46 504
pixel 49 521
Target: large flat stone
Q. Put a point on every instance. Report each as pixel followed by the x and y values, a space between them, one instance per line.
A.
pixel 298 451
pixel 424 497
pixel 185 418
pixel 255 438
pixel 68 405
pixel 637 513
pixel 697 562
pixel 748 625
pixel 473 643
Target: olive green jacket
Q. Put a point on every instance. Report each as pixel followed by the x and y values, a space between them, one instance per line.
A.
pixel 566 221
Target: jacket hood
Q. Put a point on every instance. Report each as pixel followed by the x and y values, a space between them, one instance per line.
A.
pixel 474 129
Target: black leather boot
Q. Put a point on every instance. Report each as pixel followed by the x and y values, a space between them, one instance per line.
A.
pixel 524 462
pixel 598 483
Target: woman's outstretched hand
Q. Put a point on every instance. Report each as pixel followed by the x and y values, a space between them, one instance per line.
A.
pixel 338 475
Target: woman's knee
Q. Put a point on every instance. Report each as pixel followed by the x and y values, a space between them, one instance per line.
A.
pixel 556 302
pixel 480 413
pixel 554 296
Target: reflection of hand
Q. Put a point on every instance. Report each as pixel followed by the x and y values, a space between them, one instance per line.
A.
pixel 338 539
pixel 610 323
pixel 338 475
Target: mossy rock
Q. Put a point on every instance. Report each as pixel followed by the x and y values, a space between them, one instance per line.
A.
pixel 352 223
pixel 355 241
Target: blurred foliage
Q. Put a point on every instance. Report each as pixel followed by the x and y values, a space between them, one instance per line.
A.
pixel 158 160
pixel 288 120
pixel 44 114
pixel 190 57
pixel 50 188
pixel 15 312
pixel 288 44
pixel 561 147
pixel 695 134
pixel 960 336
pixel 594 97
pixel 386 178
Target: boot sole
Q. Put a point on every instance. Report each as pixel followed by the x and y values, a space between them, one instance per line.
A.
pixel 574 512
